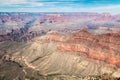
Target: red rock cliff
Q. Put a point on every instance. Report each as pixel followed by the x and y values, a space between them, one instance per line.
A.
pixel 104 47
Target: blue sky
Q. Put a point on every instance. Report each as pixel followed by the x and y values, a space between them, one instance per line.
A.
pixel 100 6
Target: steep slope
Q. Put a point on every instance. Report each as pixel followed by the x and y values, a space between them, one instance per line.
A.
pixel 76 54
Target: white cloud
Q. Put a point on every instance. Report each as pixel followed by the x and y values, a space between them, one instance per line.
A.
pixel 18 3
pixel 35 6
pixel 5 2
pixel 113 9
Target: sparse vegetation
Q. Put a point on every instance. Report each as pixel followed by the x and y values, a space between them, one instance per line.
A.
pixel 28 51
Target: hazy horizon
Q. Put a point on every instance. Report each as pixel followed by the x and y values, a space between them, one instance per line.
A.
pixel 102 6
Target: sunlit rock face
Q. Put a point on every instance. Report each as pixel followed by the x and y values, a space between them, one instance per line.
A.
pixel 78 54
pixel 102 47
pixel 65 45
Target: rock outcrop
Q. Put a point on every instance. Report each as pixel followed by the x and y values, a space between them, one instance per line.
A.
pixel 58 47
pixel 78 54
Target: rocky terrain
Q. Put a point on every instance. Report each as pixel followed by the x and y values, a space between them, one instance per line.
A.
pixel 77 54
pixel 25 26
pixel 61 47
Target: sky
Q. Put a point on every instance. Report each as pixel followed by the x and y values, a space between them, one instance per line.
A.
pixel 99 6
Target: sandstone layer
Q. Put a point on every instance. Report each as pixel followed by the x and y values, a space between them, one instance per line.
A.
pixel 77 54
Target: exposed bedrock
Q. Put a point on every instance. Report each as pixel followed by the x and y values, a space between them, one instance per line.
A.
pixel 76 54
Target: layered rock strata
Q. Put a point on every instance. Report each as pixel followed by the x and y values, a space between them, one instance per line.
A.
pixel 77 54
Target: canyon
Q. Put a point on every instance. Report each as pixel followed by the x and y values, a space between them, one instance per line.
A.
pixel 61 46
pixel 56 53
